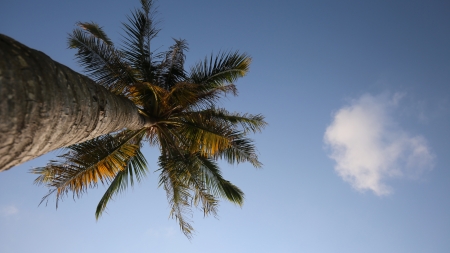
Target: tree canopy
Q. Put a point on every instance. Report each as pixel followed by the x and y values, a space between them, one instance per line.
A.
pixel 183 121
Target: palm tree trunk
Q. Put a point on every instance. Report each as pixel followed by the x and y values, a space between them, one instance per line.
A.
pixel 45 106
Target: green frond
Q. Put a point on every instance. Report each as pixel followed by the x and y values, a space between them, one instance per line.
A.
pixel 178 195
pixel 241 150
pixel 171 69
pixel 231 192
pixel 203 176
pixel 219 134
pixel 96 31
pixel 189 172
pixel 193 97
pixel 88 163
pixel 224 68
pixel 215 181
pixel 207 138
pixel 207 98
pixel 247 122
pixel 172 143
pixel 140 31
pixel 136 169
pixel 100 61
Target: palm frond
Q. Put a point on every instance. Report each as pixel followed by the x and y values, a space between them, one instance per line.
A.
pixel 140 31
pixel 172 143
pixel 136 170
pixel 216 183
pixel 186 169
pixel 183 95
pixel 241 149
pixel 101 62
pixel 207 138
pixel 88 163
pixel 95 30
pixel 172 66
pixel 193 97
pixel 202 176
pixel 219 134
pixel 248 122
pixel 208 97
pixel 178 195
pixel 224 68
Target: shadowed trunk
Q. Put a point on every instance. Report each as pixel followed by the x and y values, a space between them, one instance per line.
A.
pixel 45 105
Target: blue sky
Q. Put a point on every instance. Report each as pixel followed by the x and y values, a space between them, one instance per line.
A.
pixel 357 97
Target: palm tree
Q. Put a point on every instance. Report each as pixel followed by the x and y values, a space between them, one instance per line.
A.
pixel 183 121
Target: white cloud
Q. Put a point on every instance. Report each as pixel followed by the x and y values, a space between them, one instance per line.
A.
pixel 9 211
pixel 369 146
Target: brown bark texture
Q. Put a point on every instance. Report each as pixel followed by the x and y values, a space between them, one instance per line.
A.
pixel 45 105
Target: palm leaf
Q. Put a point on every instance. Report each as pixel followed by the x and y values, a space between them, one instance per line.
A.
pixel 192 172
pixel 101 61
pixel 140 31
pixel 95 30
pixel 208 97
pixel 207 138
pixel 172 67
pixel 178 195
pixel 241 150
pixel 248 122
pixel 185 168
pixel 136 170
pixel 215 133
pixel 193 97
pixel 216 183
pixel 224 68
pixel 88 163
pixel 183 95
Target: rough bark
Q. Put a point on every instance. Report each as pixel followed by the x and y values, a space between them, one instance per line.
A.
pixel 45 106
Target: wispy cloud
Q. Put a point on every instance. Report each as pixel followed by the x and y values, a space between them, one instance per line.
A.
pixel 8 210
pixel 369 146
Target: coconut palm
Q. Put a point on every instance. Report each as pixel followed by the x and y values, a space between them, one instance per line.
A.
pixel 183 121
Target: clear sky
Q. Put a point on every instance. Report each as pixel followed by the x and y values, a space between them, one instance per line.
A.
pixel 356 154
